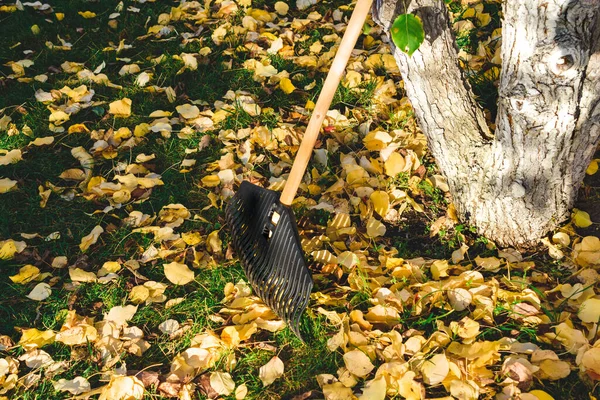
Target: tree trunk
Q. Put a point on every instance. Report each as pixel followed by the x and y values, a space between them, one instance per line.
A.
pixel 520 183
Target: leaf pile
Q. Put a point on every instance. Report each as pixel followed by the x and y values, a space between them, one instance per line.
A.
pixel 126 128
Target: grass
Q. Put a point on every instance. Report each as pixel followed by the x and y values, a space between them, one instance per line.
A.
pixel 73 211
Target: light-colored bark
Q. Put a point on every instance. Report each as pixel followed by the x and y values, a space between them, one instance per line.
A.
pixel 521 183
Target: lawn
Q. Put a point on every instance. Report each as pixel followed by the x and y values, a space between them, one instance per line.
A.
pixel 125 127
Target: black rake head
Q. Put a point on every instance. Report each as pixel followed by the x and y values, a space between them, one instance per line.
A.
pixel 265 238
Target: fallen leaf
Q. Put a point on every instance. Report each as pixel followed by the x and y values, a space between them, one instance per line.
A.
pixel 358 363
pixel 589 311
pixel 272 370
pixel 120 108
pixel 40 292
pixel 285 84
pixel 120 314
pixel 178 273
pixel 375 228
pixel 169 326
pixel 435 369
pixel 580 218
pixel 123 388
pixel 6 185
pixel 74 386
pixel 26 274
pixel 222 383
pixel 90 239
pixel 374 389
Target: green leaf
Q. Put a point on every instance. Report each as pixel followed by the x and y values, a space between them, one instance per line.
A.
pixel 408 33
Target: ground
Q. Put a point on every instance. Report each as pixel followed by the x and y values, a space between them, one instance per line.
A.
pixel 124 129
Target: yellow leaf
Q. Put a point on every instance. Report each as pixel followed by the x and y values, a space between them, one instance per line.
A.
pixel 178 273
pixel 33 338
pixel 141 130
pixel 211 181
pixel 491 264
pixel 381 202
pixel 241 392
pixel 561 238
pixel 541 395
pixel 222 383
pixel 213 243
pixel 26 274
pixel 375 228
pixel 8 248
pixel 6 185
pixel 74 386
pixel 593 167
pixel 348 259
pixel 272 370
pixel 191 238
pixel 109 267
pixel 139 294
pixel 59 16
pixel 281 8
pixel 40 292
pixel 58 117
pixel 377 140
pixel 120 108
pixel 459 298
pixel 123 388
pixel 120 314
pixel 87 14
pixel 358 363
pixel 459 254
pixel 589 311
pixel 286 85
pixel 44 195
pixel 374 389
pixel 395 164
pixel 337 391
pixel 581 219
pixel 10 157
pixel 79 275
pixel 90 239
pixel 439 269
pixel 188 111
pixel 72 174
pixel 43 141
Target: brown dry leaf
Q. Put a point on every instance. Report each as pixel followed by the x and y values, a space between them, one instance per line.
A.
pixel 272 370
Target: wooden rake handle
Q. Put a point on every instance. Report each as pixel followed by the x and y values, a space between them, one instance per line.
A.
pixel 353 30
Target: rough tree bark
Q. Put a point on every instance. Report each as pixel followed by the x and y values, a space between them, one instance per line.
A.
pixel 520 182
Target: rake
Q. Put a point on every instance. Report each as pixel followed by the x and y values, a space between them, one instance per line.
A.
pixel 262 224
